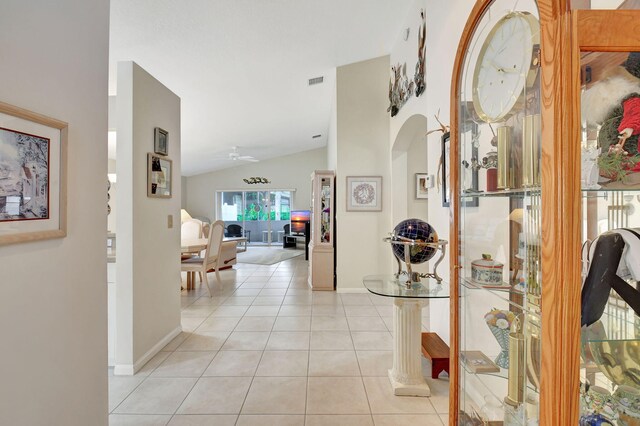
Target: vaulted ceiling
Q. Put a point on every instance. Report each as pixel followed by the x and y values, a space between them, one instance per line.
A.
pixel 241 67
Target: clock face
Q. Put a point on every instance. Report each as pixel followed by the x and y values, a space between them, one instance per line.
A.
pixel 503 66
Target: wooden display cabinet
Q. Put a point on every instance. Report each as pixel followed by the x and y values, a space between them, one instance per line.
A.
pixel 537 227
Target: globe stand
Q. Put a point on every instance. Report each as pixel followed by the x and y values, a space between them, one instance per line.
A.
pixel 413 277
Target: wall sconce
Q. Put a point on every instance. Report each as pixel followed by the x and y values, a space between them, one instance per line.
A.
pixel 253 180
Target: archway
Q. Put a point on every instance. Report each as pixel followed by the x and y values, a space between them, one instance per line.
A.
pixel 408 157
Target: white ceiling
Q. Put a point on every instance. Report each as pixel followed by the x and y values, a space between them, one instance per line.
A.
pixel 241 67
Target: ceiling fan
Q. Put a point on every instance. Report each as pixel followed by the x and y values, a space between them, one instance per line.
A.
pixel 235 156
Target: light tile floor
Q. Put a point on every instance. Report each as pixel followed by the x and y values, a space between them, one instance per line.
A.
pixel 266 350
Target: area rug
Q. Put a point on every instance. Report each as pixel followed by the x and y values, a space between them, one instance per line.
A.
pixel 267 255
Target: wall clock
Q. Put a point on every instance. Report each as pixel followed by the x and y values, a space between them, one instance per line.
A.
pixel 506 64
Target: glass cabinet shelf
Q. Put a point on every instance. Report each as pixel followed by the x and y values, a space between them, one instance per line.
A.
pixel 499 293
pixel 620 188
pixel 516 193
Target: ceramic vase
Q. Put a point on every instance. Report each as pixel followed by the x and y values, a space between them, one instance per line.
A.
pixel 502 336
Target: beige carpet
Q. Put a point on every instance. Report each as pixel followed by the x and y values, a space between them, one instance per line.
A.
pixel 267 255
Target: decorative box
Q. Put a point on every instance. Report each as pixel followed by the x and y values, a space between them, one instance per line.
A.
pixel 486 270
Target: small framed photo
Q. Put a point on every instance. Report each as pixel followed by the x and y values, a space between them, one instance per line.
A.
pixel 364 193
pixel 422 190
pixel 161 141
pixel 158 176
pixel 33 170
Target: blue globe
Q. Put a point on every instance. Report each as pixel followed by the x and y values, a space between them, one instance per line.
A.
pixel 415 230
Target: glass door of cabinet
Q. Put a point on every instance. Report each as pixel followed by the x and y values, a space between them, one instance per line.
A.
pixel 326 226
pixel 610 183
pixel 499 217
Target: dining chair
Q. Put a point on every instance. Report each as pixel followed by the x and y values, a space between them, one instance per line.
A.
pixel 209 259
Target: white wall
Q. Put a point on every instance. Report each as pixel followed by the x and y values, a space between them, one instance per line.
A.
pixel 54 294
pixel 288 172
pixel 441 50
pixel 183 192
pixel 362 150
pixel 332 137
pixel 148 254
pixel 407 51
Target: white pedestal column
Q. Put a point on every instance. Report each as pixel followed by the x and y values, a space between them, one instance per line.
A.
pixel 406 374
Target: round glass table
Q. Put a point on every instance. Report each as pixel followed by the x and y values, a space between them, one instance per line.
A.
pixel 408 299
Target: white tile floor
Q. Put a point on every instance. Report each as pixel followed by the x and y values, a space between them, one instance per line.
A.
pixel 265 350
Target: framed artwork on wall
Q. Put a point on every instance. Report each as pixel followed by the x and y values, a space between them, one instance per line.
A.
pixel 161 141
pixel 422 190
pixel 364 193
pixel 158 176
pixel 33 166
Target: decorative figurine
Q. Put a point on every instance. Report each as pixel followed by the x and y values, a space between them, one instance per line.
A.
pixel 614 104
pixel 400 89
pixel 418 78
pixel 499 322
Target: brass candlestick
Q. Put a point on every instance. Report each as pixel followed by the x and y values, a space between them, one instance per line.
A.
pixel 505 175
pixel 531 130
pixel 515 395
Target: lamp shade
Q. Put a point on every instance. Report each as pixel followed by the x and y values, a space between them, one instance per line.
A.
pixel 184 215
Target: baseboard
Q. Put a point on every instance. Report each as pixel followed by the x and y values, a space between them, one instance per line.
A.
pixel 352 290
pixel 131 369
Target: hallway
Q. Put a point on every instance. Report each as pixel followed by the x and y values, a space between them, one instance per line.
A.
pixel 266 350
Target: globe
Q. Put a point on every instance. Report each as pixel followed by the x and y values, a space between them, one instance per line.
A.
pixel 418 231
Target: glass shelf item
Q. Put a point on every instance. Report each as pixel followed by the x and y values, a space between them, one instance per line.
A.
pixel 390 286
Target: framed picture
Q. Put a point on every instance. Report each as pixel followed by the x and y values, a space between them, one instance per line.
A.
pixel 469 174
pixel 33 166
pixel 158 176
pixel 422 191
pixel 161 141
pixel 364 193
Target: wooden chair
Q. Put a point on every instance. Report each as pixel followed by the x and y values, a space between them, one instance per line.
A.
pixel 210 258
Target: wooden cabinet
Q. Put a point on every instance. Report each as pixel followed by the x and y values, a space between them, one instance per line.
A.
pixel 540 217
pixel 322 244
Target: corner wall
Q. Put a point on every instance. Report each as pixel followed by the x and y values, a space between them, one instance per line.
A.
pixel 441 53
pixel 148 257
pixel 54 292
pixel 362 150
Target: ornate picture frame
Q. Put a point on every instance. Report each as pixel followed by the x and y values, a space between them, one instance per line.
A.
pixel 364 193
pixel 33 176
